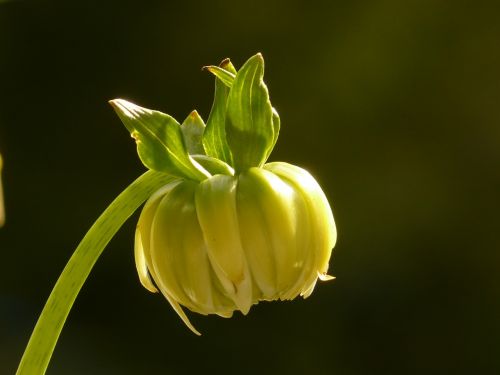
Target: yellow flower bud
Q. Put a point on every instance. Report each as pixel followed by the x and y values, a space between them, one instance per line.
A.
pixel 228 242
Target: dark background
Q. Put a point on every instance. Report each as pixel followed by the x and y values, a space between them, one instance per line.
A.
pixel 393 105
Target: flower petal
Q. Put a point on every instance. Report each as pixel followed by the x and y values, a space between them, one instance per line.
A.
pixel 216 209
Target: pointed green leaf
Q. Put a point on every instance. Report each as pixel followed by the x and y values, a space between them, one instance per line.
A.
pixel 214 138
pixel 192 130
pixel 249 118
pixel 159 141
pixel 225 76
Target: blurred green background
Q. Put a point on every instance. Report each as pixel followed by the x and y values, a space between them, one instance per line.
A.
pixel 394 106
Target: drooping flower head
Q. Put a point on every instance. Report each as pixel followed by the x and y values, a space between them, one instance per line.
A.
pixel 228 230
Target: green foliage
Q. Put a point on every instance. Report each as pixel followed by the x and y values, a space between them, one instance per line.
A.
pixel 249 125
pixel 241 130
pixel 214 138
pixel 192 130
pixel 160 142
pixel 222 72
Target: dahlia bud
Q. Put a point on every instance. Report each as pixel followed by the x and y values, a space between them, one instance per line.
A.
pixel 229 230
pixel 221 230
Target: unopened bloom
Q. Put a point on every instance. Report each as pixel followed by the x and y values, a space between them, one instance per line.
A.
pixel 229 230
pixel 231 241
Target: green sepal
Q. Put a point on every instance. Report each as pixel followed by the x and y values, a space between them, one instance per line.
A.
pixel 214 138
pixel 276 130
pixel 159 139
pixel 213 165
pixel 249 118
pixel 192 130
pixel 224 75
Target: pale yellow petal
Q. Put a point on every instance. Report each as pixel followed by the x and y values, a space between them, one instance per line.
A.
pixel 145 223
pixel 325 277
pixel 166 245
pixel 178 309
pixel 256 239
pixel 323 224
pixel 268 207
pixel 140 264
pixel 216 209
pixel 309 289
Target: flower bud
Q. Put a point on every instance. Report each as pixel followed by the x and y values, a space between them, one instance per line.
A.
pixel 228 242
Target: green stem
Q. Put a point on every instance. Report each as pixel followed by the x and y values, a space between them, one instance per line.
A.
pixel 50 323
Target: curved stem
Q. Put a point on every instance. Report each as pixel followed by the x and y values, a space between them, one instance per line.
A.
pixel 50 323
